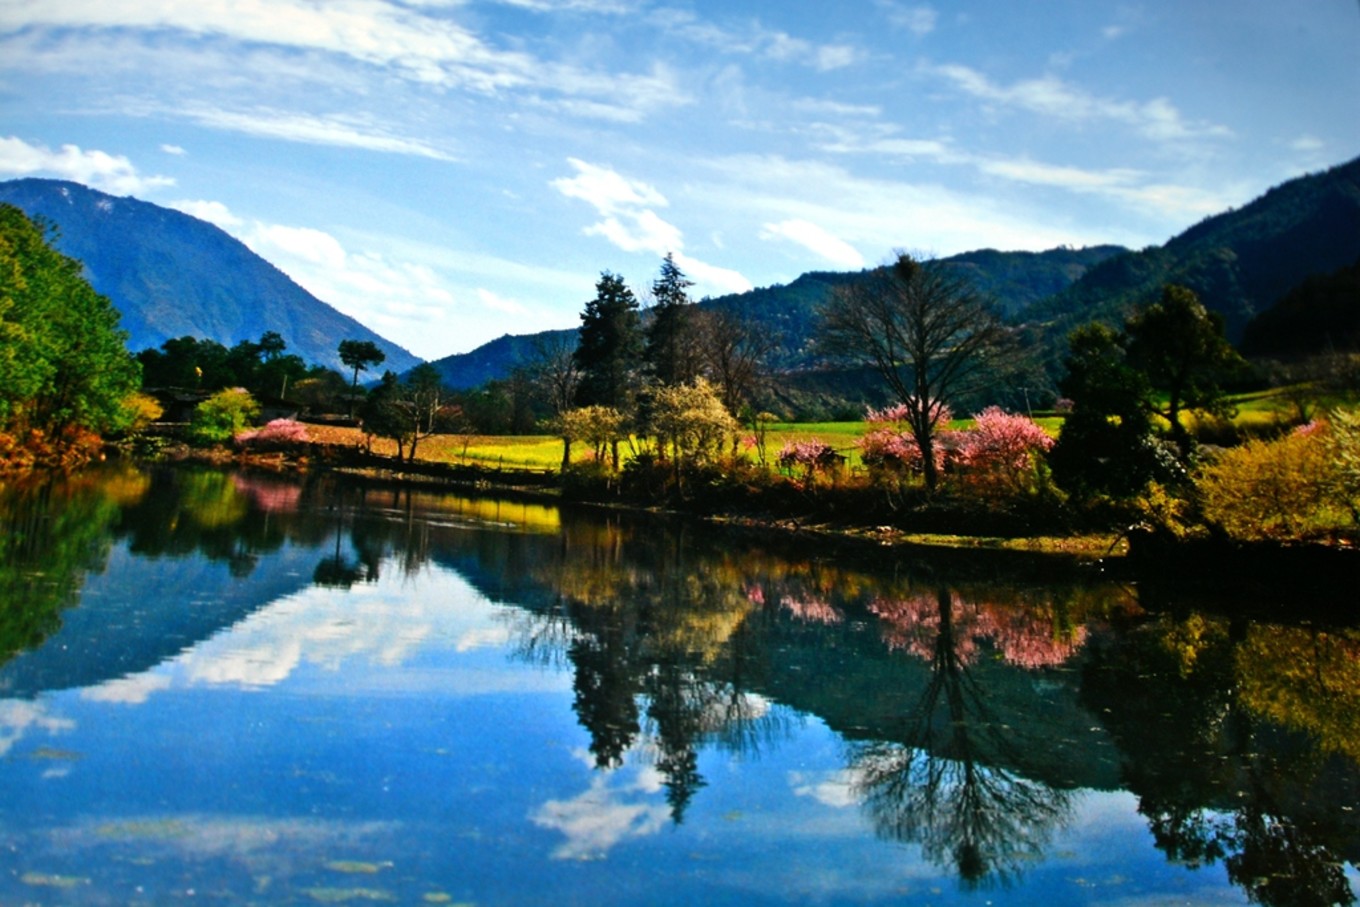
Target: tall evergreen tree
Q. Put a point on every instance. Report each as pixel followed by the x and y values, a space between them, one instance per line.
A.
pixel 609 347
pixel 672 352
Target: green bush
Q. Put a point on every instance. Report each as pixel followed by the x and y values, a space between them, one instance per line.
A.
pixel 222 416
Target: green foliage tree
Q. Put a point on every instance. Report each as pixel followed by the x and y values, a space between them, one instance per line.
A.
pixel 1106 444
pixel 359 355
pixel 386 414
pixel 64 365
pixel 222 416
pixel 926 333
pixel 609 348
pixel 1179 346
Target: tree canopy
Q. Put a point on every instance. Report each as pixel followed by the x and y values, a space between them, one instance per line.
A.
pixel 64 365
pixel 925 331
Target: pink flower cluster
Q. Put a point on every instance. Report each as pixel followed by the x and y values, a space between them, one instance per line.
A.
pixel 1001 440
pixel 1021 637
pixel 278 433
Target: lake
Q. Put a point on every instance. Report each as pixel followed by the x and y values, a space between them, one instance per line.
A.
pixel 244 689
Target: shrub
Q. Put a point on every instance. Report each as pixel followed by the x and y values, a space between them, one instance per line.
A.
pixel 222 416
pixel 1278 490
pixel 275 435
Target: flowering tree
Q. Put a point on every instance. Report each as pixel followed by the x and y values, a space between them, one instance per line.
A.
pixel 925 330
pixel 1000 448
pixel 813 456
pixel 892 446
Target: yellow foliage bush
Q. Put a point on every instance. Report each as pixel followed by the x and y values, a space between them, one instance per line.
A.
pixel 1285 489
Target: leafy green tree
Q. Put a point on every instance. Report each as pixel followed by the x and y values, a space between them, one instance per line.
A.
pixel 64 365
pixel 926 332
pixel 359 355
pixel 672 351
pixel 1179 345
pixel 386 414
pixel 222 416
pixel 609 348
pixel 1106 444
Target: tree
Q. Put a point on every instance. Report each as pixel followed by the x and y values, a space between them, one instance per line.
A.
pixel 672 354
pixel 734 352
pixel 925 331
pixel 694 422
pixel 556 377
pixel 222 416
pixel 386 415
pixel 1106 444
pixel 609 348
pixel 64 365
pixel 1180 347
pixel 424 393
pixel 359 355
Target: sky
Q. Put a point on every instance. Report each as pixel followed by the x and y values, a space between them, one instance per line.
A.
pixel 448 171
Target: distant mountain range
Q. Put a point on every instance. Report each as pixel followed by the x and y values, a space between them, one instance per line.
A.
pixel 172 275
pixel 1241 263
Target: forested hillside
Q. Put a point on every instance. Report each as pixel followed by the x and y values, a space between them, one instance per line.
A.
pixel 787 313
pixel 1239 263
pixel 172 275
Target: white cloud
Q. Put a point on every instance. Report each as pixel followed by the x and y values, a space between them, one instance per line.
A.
pixel 815 239
pixel 919 20
pixel 631 225
pixel 599 818
pixel 339 130
pixel 127 690
pixel 1048 96
pixel 19 717
pixel 175 150
pixel 1307 144
pixel 605 190
pixel 213 212
pixel 836 789
pixel 111 173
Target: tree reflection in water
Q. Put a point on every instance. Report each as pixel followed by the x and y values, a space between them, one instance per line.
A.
pixel 1240 746
pixel 942 785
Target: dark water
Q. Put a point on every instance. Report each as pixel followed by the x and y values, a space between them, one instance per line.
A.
pixel 231 689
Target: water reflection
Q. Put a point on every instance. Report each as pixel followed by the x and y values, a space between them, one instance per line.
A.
pixel 975 704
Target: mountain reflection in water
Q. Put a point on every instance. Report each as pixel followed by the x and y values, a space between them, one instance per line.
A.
pixel 969 709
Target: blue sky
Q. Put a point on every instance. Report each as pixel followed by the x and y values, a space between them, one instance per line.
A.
pixel 448 171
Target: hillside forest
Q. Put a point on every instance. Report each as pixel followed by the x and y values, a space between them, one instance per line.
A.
pixel 963 407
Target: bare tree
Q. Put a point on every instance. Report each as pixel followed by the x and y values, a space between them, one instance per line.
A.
pixel 928 334
pixel 734 351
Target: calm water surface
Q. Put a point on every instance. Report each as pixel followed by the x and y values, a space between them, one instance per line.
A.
pixel 220 688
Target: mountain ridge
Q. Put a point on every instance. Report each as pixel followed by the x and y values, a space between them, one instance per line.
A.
pixel 170 275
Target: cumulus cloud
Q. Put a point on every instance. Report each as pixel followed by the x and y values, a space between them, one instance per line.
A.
pixel 815 239
pixel 630 223
pixel 111 173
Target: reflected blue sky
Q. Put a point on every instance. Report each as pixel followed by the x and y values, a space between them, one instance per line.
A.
pixel 393 741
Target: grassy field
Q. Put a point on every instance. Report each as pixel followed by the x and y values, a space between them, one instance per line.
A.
pixel 1257 413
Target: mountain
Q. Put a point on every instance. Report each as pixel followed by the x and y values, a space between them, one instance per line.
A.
pixel 1240 262
pixel 788 312
pixel 172 275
